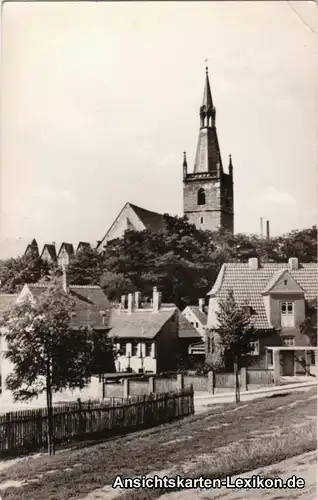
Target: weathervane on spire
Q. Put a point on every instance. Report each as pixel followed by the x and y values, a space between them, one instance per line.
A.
pixel 206 60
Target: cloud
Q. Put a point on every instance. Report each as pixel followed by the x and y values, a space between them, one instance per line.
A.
pixel 272 196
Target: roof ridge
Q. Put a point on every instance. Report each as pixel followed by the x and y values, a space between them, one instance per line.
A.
pixel 9 294
pixel 217 285
pixel 86 286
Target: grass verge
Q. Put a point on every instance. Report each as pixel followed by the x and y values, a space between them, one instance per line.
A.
pixel 199 443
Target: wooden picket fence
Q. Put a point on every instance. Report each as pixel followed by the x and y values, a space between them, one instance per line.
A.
pixel 26 431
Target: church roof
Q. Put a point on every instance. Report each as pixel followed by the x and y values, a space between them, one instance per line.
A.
pixel 152 221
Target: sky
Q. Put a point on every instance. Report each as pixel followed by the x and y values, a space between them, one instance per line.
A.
pixel 99 101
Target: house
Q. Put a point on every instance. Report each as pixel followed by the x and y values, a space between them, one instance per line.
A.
pixel 83 245
pixel 32 250
pixel 49 253
pixel 66 252
pixel 150 338
pixel 275 296
pixel 91 306
pixel 197 316
pixel 132 218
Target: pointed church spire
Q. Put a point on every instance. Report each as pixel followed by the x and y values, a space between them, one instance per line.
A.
pixel 208 156
pixel 207 110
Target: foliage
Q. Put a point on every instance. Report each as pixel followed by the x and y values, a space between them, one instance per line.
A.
pixel 215 358
pixel 309 326
pixel 85 268
pixel 235 331
pixel 47 353
pixel 116 284
pixel 14 273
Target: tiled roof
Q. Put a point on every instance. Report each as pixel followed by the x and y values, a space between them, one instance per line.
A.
pixel 83 244
pixel 68 248
pixel 89 302
pixel 248 285
pixel 141 323
pixel 202 316
pixel 51 250
pixel 186 330
pixel 6 301
pixel 151 220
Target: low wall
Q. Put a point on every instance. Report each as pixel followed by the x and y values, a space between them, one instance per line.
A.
pixel 213 383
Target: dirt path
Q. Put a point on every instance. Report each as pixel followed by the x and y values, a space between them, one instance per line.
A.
pixel 304 466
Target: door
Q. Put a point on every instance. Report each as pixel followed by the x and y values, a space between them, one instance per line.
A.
pixel 288 363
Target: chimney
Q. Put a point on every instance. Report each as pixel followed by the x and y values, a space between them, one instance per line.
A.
pixel 122 302
pixel 293 263
pixel 130 303
pixel 201 305
pixel 65 281
pixel 253 263
pixel 262 234
pixel 156 299
pixel 267 229
pixel 137 300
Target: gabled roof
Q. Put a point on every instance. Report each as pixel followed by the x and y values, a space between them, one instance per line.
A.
pixel 151 220
pixel 139 324
pixel 201 316
pixel 32 247
pixel 186 330
pixel 83 244
pixel 248 285
pixel 51 250
pixel 274 280
pixel 68 248
pixel 89 302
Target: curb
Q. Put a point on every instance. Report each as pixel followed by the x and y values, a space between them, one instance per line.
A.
pixel 277 388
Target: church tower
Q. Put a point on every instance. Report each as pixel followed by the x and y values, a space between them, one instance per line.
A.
pixel 208 191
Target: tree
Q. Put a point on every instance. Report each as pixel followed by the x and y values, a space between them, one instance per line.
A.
pixel 116 284
pixel 14 273
pixel 215 356
pixel 48 355
pixel 85 268
pixel 309 326
pixel 236 333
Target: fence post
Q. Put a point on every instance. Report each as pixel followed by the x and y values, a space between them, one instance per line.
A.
pixel 180 381
pixel 244 378
pixel 211 381
pixel 151 387
pixel 126 388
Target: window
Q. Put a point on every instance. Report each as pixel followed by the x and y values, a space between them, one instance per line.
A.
pixel 289 340
pixel 197 325
pixel 201 220
pixel 134 348
pixel 287 313
pixel 122 348
pixel 201 197
pixel 148 349
pixel 254 348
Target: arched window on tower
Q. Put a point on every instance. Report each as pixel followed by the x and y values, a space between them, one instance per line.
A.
pixel 201 197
